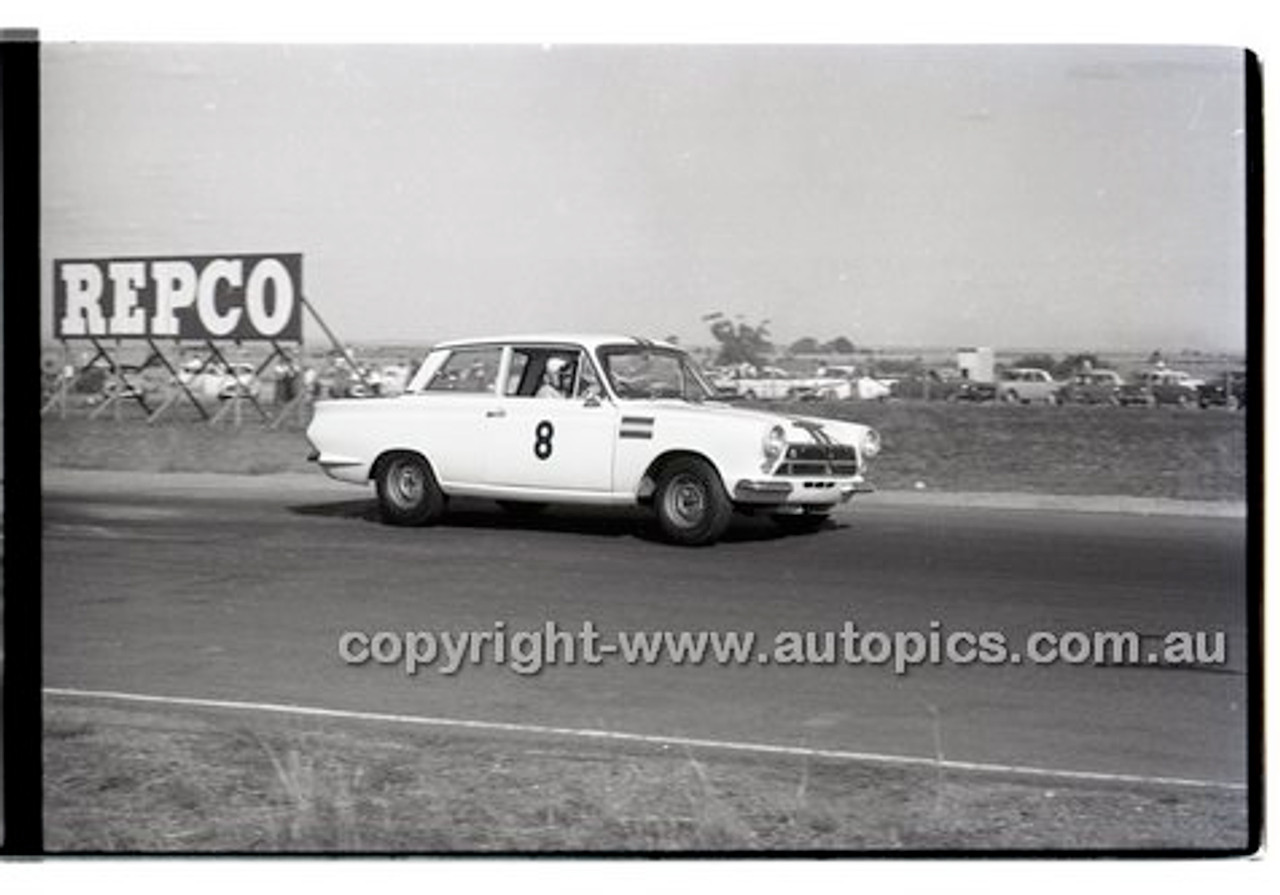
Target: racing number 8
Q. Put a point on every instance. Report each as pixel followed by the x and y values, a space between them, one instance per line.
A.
pixel 542 434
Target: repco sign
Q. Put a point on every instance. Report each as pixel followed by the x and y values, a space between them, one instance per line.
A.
pixel 234 297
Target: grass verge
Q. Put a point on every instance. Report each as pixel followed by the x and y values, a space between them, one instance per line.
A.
pixel 190 781
pixel 1186 454
pixel 173 446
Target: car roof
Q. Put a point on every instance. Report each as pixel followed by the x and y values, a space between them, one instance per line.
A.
pixel 591 341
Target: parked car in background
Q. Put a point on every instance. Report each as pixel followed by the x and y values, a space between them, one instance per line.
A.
pixel 1225 390
pixel 974 392
pixel 1161 386
pixel 1027 385
pixel 842 382
pixel 723 381
pixel 124 381
pixel 832 382
pixel 766 384
pixel 1092 387
pixel 240 379
pixel 1135 393
pixel 217 382
pixel 869 388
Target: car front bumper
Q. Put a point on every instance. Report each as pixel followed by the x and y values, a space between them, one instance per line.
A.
pixel 773 492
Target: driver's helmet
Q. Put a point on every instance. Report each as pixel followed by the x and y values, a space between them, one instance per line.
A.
pixel 559 373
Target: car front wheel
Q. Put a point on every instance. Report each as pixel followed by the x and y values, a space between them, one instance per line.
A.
pixel 408 493
pixel 690 503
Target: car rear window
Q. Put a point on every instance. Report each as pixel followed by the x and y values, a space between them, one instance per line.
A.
pixel 468 371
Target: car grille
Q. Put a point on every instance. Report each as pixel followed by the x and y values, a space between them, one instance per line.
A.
pixel 839 460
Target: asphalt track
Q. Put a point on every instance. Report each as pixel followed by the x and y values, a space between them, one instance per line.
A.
pixel 238 590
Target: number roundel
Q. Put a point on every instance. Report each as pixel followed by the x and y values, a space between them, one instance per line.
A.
pixel 542 435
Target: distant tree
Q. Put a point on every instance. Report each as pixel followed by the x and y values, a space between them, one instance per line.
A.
pixel 740 343
pixel 839 345
pixel 806 345
pixel 1039 361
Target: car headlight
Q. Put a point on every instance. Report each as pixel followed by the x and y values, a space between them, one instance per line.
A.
pixel 870 443
pixel 775 442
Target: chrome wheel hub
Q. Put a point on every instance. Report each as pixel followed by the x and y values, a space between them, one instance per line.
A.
pixel 407 484
pixel 685 501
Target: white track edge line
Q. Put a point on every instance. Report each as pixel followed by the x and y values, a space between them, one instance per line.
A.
pixel 650 739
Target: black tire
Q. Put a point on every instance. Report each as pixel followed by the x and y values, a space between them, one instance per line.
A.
pixel 801 523
pixel 408 493
pixel 690 503
pixel 522 507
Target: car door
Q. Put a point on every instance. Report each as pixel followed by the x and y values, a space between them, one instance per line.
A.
pixel 542 440
pixel 447 419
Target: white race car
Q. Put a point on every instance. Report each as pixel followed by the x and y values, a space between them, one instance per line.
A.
pixel 611 420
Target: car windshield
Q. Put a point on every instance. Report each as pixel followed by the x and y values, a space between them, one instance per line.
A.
pixel 638 372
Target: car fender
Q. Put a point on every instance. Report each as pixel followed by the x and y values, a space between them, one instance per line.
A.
pixel 733 446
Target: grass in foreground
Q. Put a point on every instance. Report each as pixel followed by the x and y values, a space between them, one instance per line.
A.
pixel 187 781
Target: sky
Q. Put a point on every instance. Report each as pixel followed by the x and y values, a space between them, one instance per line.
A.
pixel 1014 196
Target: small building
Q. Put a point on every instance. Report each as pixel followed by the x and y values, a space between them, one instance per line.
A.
pixel 977 364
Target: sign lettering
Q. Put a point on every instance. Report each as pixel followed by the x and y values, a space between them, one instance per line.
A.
pixel 229 297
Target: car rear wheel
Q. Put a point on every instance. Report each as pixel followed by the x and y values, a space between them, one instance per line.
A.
pixel 690 502
pixel 408 493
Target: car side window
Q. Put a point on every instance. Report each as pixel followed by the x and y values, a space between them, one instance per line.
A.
pixel 538 372
pixel 589 382
pixel 468 371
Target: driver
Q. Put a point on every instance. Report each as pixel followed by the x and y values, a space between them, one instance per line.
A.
pixel 557 378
